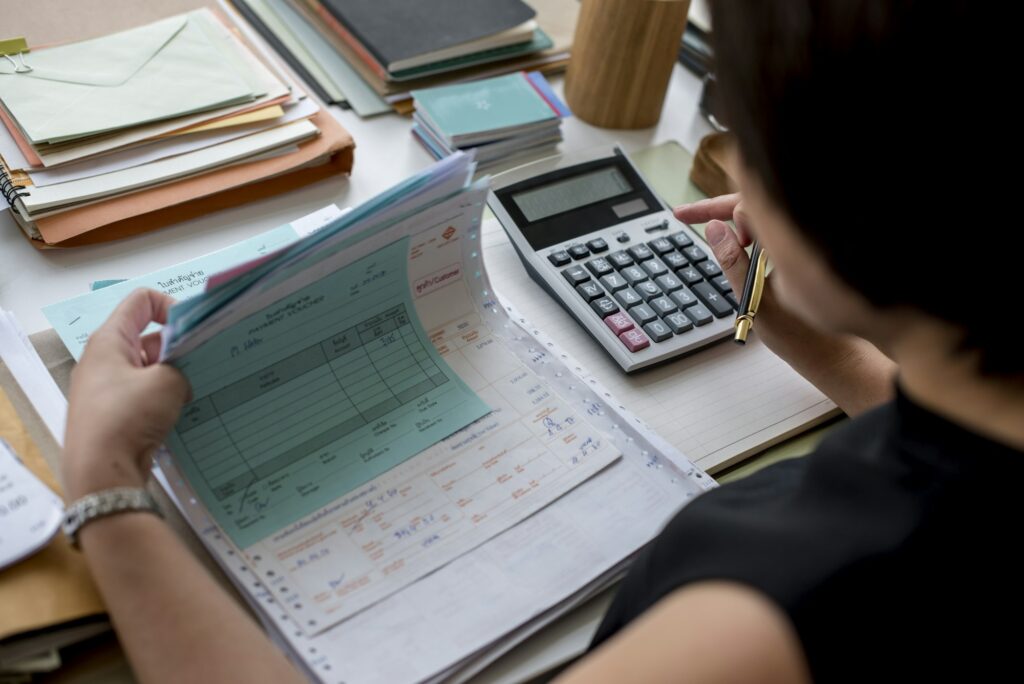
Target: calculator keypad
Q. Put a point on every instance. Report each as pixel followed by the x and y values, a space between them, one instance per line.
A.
pixel 648 293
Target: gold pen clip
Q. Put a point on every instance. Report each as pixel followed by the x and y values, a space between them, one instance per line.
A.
pixel 745 321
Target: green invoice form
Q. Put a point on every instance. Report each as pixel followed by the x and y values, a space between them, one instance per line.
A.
pixel 313 396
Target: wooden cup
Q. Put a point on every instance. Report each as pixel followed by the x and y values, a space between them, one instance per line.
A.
pixel 622 58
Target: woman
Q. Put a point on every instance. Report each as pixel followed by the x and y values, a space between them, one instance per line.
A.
pixel 882 555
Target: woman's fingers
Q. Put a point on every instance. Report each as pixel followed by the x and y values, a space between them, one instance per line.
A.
pixel 720 208
pixel 741 220
pixel 151 344
pixel 729 252
pixel 121 333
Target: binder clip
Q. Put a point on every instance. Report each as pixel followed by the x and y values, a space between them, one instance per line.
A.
pixel 9 48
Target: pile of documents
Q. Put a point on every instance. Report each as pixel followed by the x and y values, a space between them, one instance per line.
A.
pixel 369 54
pixel 501 119
pixel 49 599
pixel 150 125
pixel 382 459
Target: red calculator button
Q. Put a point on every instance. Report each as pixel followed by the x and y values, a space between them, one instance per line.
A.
pixel 635 340
pixel 619 323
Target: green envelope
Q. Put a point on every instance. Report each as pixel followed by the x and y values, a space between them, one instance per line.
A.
pixel 173 67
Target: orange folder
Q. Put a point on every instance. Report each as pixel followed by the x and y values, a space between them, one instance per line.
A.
pixel 158 207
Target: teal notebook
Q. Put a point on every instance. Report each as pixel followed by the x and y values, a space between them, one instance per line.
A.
pixel 490 108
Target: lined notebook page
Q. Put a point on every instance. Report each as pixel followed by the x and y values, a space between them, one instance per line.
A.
pixel 716 406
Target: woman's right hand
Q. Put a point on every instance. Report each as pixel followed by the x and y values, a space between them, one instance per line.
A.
pixel 849 370
pixel 729 247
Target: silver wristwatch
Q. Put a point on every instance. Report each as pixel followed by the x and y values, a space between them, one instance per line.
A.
pixel 104 503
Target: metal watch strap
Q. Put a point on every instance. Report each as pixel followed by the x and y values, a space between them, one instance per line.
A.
pixel 104 503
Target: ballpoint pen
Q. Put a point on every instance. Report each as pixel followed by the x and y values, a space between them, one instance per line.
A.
pixel 753 288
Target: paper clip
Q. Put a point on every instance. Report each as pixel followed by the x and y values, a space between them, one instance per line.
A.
pixel 15 46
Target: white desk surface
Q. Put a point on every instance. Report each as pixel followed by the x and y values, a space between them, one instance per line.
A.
pixel 385 154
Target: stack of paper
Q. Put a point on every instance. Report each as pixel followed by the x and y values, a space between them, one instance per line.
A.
pixel 420 473
pixel 138 128
pixel 49 600
pixel 369 54
pixel 401 276
pixel 500 119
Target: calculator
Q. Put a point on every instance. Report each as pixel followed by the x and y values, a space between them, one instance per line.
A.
pixel 595 236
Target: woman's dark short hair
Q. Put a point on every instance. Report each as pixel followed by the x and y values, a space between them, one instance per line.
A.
pixel 888 130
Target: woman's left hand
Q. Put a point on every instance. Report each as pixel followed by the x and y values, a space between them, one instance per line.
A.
pixel 122 403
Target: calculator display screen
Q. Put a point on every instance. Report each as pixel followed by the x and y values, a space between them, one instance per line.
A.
pixel 572 193
pixel 571 202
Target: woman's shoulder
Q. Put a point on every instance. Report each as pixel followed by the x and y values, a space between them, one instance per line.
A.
pixel 864 526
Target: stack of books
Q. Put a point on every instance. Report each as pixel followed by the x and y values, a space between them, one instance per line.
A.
pixel 150 125
pixel 369 54
pixel 500 119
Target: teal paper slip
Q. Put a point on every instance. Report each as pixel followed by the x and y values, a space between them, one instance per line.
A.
pixel 313 396
pixel 76 318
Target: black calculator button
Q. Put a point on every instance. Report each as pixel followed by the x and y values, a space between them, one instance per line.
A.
pixel 599 267
pixel 679 322
pixel 709 268
pixel 628 298
pixel 620 259
pixel 731 298
pixel 699 314
pixel 559 258
pixel 579 251
pixel 661 245
pixel 622 237
pixel 683 298
pixel 640 252
pixel 668 282
pixel 604 307
pixel 648 290
pixel 613 282
pixel 689 275
pixel 721 284
pixel 713 299
pixel 597 245
pixel 693 253
pixel 658 331
pixel 642 314
pixel 654 268
pixel 576 275
pixel 633 274
pixel 663 306
pixel 673 260
pixel 680 240
pixel 590 291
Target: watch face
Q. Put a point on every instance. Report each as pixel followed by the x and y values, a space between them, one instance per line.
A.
pixel 30 512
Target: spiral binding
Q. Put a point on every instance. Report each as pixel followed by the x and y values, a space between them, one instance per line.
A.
pixel 9 189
